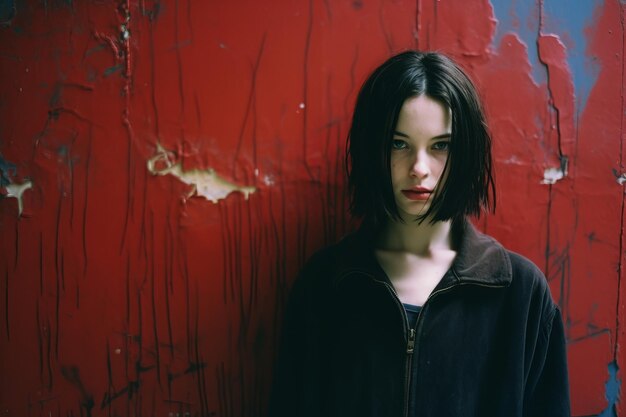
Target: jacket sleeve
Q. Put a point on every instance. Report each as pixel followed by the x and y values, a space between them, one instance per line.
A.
pixel 547 388
pixel 295 388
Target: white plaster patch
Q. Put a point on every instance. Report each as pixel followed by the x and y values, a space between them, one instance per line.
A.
pixel 621 179
pixel 552 175
pixel 124 32
pixel 513 160
pixel 268 180
pixel 16 191
pixel 205 183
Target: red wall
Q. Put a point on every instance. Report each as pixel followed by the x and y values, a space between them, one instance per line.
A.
pixel 124 293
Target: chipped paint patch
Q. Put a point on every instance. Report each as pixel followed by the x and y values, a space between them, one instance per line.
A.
pixel 612 389
pixel 620 178
pixel 205 183
pixel 523 19
pixel 16 190
pixel 7 170
pixel 552 175
pixel 124 28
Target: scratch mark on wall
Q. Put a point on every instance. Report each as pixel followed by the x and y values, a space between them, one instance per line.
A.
pixel 72 375
pixel 305 88
pixel 205 183
pixel 16 190
pixel 6 305
pixel 112 70
pixel 251 99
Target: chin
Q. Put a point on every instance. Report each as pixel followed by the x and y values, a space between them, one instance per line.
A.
pixel 413 212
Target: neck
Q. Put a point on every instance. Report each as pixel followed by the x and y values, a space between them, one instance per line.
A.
pixel 414 237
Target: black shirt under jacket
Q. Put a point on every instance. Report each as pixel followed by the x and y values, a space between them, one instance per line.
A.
pixel 488 342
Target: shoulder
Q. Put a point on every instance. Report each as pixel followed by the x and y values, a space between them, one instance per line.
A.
pixel 347 253
pixel 528 279
pixel 524 267
pixel 328 262
pixel 353 255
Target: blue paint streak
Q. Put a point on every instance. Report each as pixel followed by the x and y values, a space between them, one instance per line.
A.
pixel 612 388
pixel 7 10
pixel 562 18
pixel 522 18
pixel 7 170
pixel 568 21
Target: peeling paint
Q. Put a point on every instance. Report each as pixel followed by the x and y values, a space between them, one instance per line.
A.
pixel 198 287
pixel 268 180
pixel 16 190
pixel 552 175
pixel 570 23
pixel 7 170
pixel 620 178
pixel 205 183
pixel 124 28
pixel 561 19
pixel 124 32
pixel 612 389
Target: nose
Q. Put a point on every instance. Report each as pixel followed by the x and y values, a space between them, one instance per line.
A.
pixel 420 167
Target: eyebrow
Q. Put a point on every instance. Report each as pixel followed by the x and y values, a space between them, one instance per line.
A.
pixel 442 136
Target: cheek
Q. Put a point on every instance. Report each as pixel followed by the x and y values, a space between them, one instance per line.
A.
pixel 440 166
pixel 441 173
pixel 395 168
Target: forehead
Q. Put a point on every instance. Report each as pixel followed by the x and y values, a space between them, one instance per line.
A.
pixel 424 116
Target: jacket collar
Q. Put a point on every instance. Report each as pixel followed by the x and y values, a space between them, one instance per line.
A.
pixel 480 258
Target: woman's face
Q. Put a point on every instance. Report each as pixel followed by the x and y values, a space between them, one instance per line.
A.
pixel 419 153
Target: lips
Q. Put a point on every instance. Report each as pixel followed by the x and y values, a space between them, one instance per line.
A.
pixel 417 193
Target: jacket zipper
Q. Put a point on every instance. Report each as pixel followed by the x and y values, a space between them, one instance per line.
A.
pixel 412 348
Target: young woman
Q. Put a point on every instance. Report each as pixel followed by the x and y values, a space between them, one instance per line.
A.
pixel 418 313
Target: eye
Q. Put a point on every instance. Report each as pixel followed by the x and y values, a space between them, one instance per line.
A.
pixel 442 146
pixel 398 144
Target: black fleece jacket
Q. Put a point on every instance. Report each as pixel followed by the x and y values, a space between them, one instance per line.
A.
pixel 488 342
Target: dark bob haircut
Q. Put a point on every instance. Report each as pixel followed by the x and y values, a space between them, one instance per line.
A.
pixel 469 187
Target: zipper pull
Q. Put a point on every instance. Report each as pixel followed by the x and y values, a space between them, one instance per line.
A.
pixel 411 344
